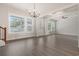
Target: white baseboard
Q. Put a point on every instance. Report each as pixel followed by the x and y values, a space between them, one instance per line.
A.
pixel 67 34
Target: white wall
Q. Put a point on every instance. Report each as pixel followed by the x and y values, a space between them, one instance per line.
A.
pixel 5 11
pixel 78 27
pixel 3 16
pixel 19 35
pixel 69 25
pixel 40 26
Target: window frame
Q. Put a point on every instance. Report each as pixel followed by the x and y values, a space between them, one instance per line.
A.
pixel 12 14
pixel 29 24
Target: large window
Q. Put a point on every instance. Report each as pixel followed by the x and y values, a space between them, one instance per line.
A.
pixel 51 26
pixel 29 24
pixel 16 24
pixel 20 24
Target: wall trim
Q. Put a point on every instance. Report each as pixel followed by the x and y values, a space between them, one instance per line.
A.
pixel 68 34
pixel 29 37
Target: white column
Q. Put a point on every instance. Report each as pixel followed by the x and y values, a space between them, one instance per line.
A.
pixel 78 26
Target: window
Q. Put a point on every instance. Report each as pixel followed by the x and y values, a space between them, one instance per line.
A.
pixel 29 24
pixel 16 24
pixel 51 25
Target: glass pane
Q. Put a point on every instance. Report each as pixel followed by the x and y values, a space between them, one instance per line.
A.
pixel 51 26
pixel 29 24
pixel 16 24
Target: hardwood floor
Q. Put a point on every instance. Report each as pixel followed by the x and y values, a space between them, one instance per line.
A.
pixel 53 45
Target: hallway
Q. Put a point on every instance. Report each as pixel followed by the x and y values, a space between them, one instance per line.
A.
pixel 53 45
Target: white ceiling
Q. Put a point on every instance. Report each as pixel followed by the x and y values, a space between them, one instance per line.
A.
pixel 43 8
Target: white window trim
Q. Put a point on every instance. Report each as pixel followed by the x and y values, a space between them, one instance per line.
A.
pixel 9 23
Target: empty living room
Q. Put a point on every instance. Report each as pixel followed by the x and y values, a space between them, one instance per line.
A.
pixel 39 29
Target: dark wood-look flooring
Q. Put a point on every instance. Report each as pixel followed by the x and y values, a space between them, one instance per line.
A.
pixel 53 45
